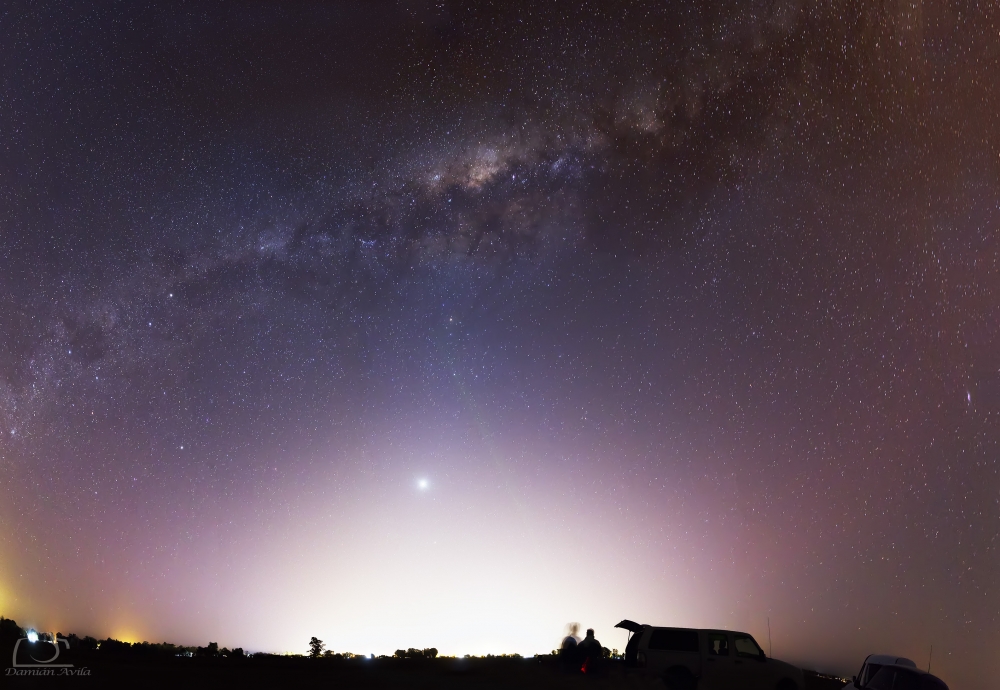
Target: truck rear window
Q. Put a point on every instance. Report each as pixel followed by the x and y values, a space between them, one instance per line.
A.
pixel 674 640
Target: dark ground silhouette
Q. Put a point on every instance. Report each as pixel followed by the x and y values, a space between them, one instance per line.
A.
pixel 291 672
pixel 112 664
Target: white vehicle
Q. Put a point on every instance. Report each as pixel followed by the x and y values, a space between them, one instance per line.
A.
pixel 896 677
pixel 689 659
pixel 872 664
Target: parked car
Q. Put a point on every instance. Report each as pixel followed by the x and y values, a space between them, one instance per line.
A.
pixel 873 662
pixel 898 677
pixel 689 659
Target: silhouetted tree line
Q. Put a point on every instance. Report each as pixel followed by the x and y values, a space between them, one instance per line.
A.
pixel 111 648
pixel 212 651
pixel 495 656
pixel 10 632
pixel 411 653
pixel 318 650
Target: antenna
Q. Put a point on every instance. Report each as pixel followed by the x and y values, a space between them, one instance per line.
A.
pixel 769 650
pixel 929 657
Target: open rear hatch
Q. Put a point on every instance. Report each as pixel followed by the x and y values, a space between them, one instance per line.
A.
pixel 632 647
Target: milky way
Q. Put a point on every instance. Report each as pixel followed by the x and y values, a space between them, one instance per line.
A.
pixel 683 312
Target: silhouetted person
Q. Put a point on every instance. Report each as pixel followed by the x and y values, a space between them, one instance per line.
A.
pixel 568 652
pixel 590 653
pixel 718 646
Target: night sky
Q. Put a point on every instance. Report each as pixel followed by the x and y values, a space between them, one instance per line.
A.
pixel 423 324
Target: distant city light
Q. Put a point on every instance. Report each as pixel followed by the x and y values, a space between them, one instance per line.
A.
pixel 32 636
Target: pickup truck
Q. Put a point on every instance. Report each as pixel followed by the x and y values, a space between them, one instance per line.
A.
pixel 690 659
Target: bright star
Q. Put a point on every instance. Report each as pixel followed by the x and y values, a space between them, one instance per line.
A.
pixel 422 484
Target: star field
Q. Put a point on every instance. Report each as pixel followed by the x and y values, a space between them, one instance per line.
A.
pixel 679 312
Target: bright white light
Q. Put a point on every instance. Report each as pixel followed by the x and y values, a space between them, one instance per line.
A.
pixel 32 636
pixel 422 484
